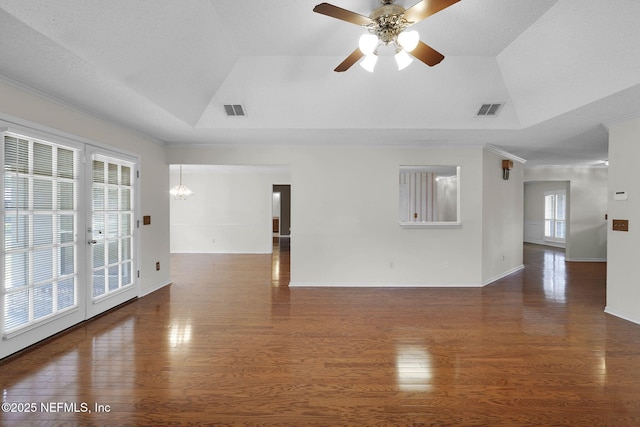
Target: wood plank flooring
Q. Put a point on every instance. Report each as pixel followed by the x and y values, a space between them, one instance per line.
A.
pixel 230 344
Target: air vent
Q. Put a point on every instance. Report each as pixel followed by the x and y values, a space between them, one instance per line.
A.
pixel 234 110
pixel 489 110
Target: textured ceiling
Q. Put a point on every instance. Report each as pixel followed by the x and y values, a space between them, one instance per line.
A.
pixel 166 67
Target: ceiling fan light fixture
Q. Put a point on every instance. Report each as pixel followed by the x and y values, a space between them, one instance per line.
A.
pixel 388 23
pixel 368 43
pixel 369 62
pixel 402 59
pixel 408 40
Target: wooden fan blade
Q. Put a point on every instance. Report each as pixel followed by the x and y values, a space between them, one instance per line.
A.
pixel 427 55
pixel 343 14
pixel 351 59
pixel 426 8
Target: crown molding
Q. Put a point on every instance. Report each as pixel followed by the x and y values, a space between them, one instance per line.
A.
pixel 73 107
pixel 621 119
pixel 501 152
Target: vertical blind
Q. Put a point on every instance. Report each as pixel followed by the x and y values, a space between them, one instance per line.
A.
pixel 40 228
pixel 418 197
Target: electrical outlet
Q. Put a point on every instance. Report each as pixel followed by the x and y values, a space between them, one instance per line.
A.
pixel 157 265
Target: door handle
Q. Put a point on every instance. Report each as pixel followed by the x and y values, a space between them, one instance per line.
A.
pixel 92 242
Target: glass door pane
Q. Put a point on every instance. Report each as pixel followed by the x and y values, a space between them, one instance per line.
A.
pixel 111 234
pixel 41 291
pixel 554 214
pixel 40 219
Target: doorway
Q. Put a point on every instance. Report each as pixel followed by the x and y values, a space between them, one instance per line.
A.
pixel 281 229
pixel 547 223
pixel 281 211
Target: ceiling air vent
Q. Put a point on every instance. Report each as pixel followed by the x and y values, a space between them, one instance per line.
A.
pixel 234 110
pixel 489 110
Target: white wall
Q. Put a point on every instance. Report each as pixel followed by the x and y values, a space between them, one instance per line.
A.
pixel 502 205
pixel 347 231
pixel 25 107
pixel 230 212
pixel 344 212
pixel 534 193
pixel 623 268
pixel 587 240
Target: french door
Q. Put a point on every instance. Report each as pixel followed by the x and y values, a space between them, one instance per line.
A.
pixel 68 234
pixel 110 234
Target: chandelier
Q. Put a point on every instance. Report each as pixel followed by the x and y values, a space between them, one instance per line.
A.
pixel 180 191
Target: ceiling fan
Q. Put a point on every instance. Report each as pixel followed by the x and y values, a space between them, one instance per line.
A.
pixel 386 26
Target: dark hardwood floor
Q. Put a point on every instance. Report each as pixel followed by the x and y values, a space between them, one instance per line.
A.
pixel 230 344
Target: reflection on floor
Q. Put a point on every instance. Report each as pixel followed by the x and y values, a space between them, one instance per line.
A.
pixel 280 261
pixel 228 343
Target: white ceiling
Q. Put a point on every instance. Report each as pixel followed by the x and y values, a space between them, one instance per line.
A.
pixel 166 67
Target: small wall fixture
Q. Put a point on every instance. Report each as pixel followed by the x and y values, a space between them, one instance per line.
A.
pixel 507 165
pixel 180 191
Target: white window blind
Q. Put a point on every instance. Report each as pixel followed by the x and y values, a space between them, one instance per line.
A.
pixel 418 197
pixel 40 227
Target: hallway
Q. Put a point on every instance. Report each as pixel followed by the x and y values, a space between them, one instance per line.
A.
pixel 230 344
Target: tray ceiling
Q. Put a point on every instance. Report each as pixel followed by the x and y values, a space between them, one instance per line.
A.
pixel 562 68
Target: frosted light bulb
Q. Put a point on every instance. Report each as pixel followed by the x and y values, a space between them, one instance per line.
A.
pixel 408 40
pixel 368 43
pixel 403 59
pixel 369 62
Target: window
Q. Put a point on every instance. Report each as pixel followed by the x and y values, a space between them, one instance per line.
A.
pixel 40 223
pixel 429 195
pixel 555 215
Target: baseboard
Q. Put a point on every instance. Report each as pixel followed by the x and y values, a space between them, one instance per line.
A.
pixel 533 241
pixel 586 259
pixel 381 285
pixel 505 274
pixel 617 313
pixel 545 243
pixel 155 288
